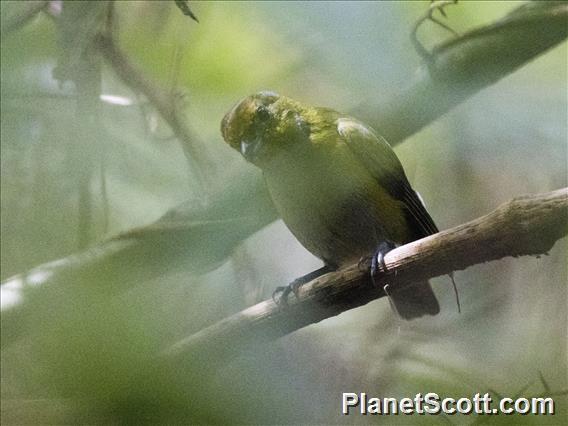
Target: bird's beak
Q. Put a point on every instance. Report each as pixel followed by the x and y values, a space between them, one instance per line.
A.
pixel 250 149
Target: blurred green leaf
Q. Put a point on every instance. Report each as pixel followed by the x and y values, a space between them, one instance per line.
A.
pixel 90 356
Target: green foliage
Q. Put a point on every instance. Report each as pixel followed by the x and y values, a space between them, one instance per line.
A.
pixel 92 353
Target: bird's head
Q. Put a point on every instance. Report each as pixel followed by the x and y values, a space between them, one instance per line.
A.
pixel 263 126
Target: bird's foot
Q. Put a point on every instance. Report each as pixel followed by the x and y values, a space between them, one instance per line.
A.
pixel 378 259
pixel 280 294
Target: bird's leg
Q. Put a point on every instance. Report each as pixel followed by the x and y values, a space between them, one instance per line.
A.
pixel 282 299
pixel 378 263
pixel 378 259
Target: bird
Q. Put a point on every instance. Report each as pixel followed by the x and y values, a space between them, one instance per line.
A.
pixel 337 184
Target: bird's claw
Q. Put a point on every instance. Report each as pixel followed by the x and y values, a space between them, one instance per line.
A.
pixel 294 286
pixel 283 298
pixel 285 291
pixel 378 259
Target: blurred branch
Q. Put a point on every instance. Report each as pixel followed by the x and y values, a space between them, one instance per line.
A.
pixel 80 62
pixel 177 239
pixel 464 65
pixel 30 9
pixel 188 237
pixel 429 16
pixel 165 102
pixel 527 225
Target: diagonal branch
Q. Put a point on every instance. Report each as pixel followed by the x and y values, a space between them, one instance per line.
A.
pixel 463 66
pixel 512 42
pixel 527 225
pixel 165 102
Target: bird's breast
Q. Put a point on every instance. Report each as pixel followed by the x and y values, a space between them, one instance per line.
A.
pixel 334 207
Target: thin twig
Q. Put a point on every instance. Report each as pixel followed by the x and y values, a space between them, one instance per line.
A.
pixel 163 101
pixel 464 65
pixel 429 15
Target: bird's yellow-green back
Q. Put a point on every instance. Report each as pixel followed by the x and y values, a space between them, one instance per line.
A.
pixel 338 186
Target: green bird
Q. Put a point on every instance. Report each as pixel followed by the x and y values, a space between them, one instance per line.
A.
pixel 336 183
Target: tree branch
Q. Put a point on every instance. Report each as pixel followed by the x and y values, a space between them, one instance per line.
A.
pixel 189 237
pixel 527 225
pixel 164 101
pixel 464 65
pixel 170 242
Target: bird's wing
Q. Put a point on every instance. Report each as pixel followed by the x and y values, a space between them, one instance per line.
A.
pixel 377 156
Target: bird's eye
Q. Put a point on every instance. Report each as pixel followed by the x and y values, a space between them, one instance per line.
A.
pixel 262 114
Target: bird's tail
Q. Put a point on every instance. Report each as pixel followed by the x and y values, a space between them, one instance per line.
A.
pixel 414 300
